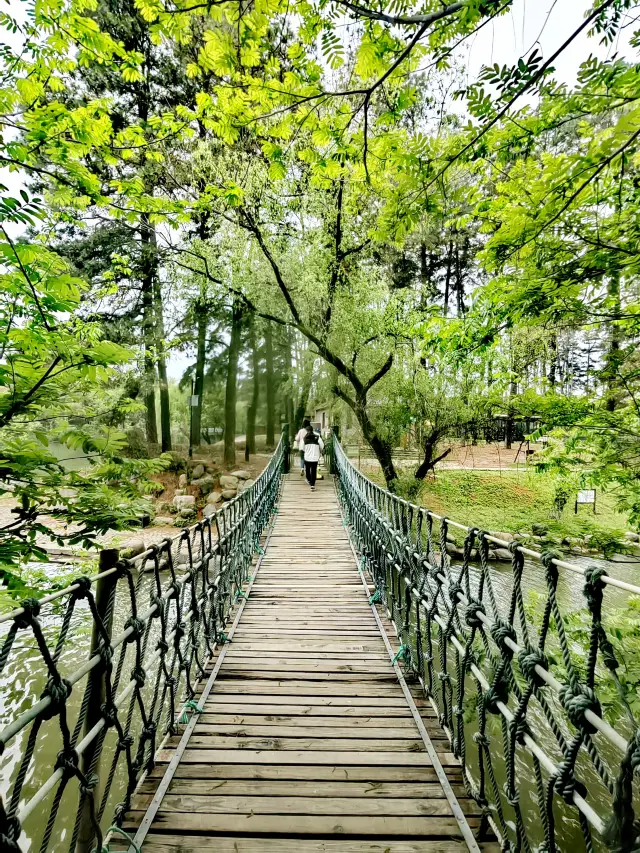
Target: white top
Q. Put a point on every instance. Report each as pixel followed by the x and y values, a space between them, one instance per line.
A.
pixel 299 439
pixel 312 451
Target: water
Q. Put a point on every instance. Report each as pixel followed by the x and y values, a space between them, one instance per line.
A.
pixel 25 676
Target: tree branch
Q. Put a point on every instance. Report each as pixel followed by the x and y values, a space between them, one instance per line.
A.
pixel 377 376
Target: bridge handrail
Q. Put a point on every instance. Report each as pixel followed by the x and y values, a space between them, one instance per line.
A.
pixel 190 610
pixel 395 540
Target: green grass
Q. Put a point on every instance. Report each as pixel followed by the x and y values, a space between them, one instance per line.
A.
pixel 513 502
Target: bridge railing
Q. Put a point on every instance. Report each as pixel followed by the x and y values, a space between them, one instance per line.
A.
pixel 515 688
pixel 74 753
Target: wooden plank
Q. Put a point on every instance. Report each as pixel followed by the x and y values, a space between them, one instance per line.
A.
pixel 279 730
pixel 307 756
pixel 306 772
pixel 304 721
pixel 287 788
pixel 301 825
pixel 162 843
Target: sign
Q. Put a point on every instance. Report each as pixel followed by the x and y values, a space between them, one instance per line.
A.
pixel 586 496
pixel 193 401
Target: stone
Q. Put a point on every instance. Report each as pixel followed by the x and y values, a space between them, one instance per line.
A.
pixel 228 481
pixel 506 537
pixel 132 548
pixel 503 554
pixel 630 536
pixel 539 529
pixel 204 483
pixel 163 521
pixel 451 537
pixel 227 494
pixel 245 484
pixel 183 501
pixel 197 472
pixel 241 475
pixel 180 492
pixel 454 551
pixel 187 512
pixel 209 510
pixel 182 481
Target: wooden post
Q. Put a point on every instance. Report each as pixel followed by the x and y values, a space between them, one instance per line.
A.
pixel 105 589
pixel 287 448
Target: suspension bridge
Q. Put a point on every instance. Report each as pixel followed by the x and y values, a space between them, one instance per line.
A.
pixel 312 673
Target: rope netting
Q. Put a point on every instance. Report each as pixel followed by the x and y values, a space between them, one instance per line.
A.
pixel 516 693
pixel 150 625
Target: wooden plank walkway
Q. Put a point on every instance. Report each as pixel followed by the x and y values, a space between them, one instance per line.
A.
pixel 307 742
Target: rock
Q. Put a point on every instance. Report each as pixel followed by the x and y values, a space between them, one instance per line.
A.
pixel 183 501
pixel 491 555
pixel 188 512
pixel 539 529
pixel 245 484
pixel 132 548
pixel 503 554
pixel 180 492
pixel 228 494
pixel 451 537
pixel 163 521
pixel 182 481
pixel 204 483
pixel 209 510
pixel 454 551
pixel 197 472
pixel 506 537
pixel 241 475
pixel 630 536
pixel 228 481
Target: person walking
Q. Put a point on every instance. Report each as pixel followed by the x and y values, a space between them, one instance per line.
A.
pixel 313 446
pixel 299 442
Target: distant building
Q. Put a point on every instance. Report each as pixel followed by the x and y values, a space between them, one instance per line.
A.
pixel 322 418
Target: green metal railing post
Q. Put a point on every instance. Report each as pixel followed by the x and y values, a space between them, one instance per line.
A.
pixel 104 596
pixel 286 440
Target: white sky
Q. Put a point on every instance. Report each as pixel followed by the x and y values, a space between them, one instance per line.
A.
pixel 542 23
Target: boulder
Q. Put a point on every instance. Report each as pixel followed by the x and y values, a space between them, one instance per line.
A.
pixel 182 481
pixel 227 494
pixel 183 501
pixel 197 472
pixel 209 510
pixel 204 483
pixel 630 536
pixel 188 512
pixel 506 537
pixel 245 484
pixel 133 547
pixel 214 497
pixel 163 521
pixel 228 481
pixel 503 554
pixel 539 529
pixel 454 551
pixel 180 492
pixel 241 475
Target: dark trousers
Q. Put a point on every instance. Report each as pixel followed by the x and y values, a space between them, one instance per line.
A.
pixel 311 470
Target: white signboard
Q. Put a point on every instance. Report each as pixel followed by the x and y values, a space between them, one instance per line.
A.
pixel 193 401
pixel 587 496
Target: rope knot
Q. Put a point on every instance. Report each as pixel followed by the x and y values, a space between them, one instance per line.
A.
pixel 481 739
pixel 528 659
pixel 173 591
pixel 455 592
pixel 511 794
pixel 137 628
pixel 593 587
pixel 67 761
pixel 88 786
pixel 566 783
pixel 576 702
pixel 156 601
pixel 105 653
pixel 162 646
pixel 139 676
pixel 550 569
pixel 496 693
pixel 471 613
pixel 125 742
pixel 31 607
pixel 109 714
pixel 149 731
pixel 501 631
pixel 58 690
pixel 84 587
pixel 520 727
pixel 10 831
pixel 179 632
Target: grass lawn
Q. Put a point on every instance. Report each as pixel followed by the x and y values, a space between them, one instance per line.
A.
pixel 513 502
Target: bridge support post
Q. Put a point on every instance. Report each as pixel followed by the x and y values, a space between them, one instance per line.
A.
pixel 105 605
pixel 335 436
pixel 286 439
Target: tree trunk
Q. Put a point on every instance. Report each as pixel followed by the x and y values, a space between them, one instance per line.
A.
pixel 447 283
pixel 612 366
pixel 148 328
pixel 252 411
pixel 429 463
pixel 300 411
pixel 198 385
pixel 270 387
pixel 381 449
pixel 165 409
pixel 553 361
pixel 231 394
